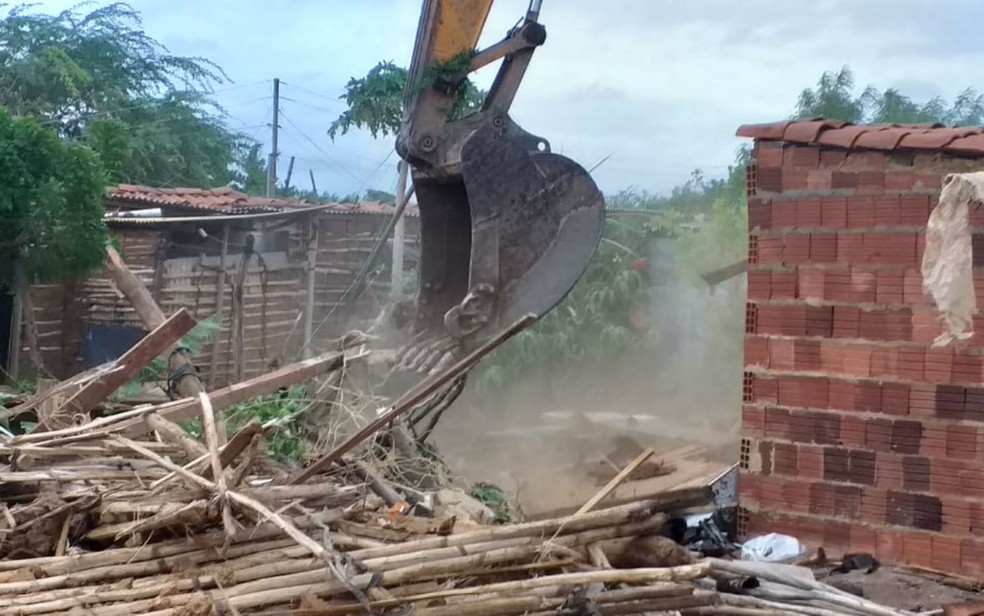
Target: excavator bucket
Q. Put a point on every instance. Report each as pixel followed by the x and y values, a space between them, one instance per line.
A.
pixel 510 235
pixel 507 227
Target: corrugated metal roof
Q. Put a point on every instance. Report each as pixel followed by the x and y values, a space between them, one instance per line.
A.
pixel 884 137
pixel 228 201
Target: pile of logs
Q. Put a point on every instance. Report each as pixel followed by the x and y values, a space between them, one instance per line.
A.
pixel 105 525
pixel 129 514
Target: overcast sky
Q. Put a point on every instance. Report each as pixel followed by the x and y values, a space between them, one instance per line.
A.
pixel 659 85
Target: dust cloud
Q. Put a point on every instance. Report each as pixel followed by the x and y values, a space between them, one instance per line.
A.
pixel 542 440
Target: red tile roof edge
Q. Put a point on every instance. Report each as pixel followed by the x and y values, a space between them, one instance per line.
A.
pixel 966 141
pixel 226 200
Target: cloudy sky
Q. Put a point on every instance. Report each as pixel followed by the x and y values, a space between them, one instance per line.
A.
pixel 660 86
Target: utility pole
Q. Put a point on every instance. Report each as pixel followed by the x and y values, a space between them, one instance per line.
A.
pixel 271 186
pixel 399 232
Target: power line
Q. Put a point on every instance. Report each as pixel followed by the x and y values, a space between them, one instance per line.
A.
pixel 305 104
pixel 333 99
pixel 321 163
pixel 317 147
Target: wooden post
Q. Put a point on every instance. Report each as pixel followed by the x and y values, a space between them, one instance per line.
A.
pixel 152 317
pixel 312 267
pixel 16 321
pixel 220 285
pixel 399 232
pixel 238 308
pixel 290 172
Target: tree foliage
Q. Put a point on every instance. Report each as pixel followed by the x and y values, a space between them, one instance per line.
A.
pixel 97 77
pixel 834 98
pixel 50 203
pixel 375 102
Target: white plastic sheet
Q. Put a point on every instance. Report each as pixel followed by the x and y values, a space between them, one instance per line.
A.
pixel 772 548
pixel 947 267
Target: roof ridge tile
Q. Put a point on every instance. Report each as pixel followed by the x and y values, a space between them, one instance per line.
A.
pixel 934 137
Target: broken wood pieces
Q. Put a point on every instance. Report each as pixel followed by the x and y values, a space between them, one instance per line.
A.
pixel 413 397
pixel 84 392
pixel 133 361
pixel 152 317
pixel 185 409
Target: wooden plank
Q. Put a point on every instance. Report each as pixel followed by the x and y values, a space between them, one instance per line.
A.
pixel 236 445
pixel 150 313
pixel 132 362
pixel 615 482
pixel 185 409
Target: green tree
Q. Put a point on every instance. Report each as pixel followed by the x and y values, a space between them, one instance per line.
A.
pixel 98 78
pixel 834 98
pixel 893 107
pixel 172 141
pixel 50 203
pixel 251 176
pixel 375 102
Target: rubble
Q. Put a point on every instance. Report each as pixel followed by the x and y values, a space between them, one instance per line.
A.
pixel 130 514
pixel 103 524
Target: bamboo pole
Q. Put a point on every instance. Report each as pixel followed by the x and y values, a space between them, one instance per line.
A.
pixel 258 572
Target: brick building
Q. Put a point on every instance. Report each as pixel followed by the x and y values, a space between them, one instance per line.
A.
pixel 857 435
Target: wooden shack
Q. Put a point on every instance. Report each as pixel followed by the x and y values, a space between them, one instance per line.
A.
pixel 274 269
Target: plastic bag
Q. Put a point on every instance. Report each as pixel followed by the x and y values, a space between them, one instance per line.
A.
pixel 947 267
pixel 772 548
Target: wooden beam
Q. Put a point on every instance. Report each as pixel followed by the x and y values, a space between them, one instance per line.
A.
pixel 728 272
pixel 615 482
pixel 311 275
pixel 16 322
pixel 236 445
pixel 132 362
pixel 152 317
pixel 220 287
pixel 180 411
pixel 134 290
pixel 172 432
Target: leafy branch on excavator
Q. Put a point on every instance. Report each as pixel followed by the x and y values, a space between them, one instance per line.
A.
pixel 507 227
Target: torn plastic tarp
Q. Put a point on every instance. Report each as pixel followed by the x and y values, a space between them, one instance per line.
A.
pixel 947 266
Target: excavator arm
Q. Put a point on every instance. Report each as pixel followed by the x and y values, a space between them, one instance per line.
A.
pixel 507 226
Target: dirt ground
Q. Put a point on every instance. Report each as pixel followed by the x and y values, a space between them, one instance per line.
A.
pixel 902 589
pixel 556 459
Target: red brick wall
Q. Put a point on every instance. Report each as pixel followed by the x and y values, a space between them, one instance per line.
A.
pixel 857 435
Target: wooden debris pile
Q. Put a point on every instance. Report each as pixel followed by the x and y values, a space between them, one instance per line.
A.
pixel 101 524
pixel 99 518
pixel 321 548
